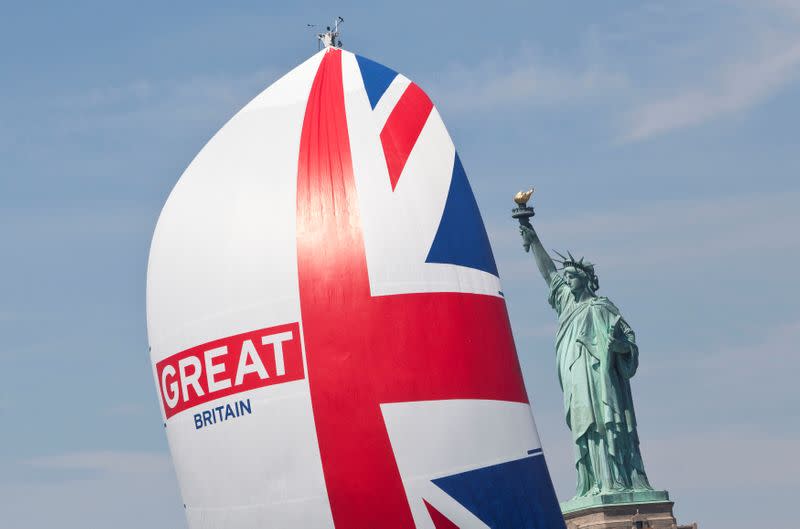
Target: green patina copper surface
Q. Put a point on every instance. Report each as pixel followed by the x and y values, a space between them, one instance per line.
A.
pixel 596 356
pixel 614 498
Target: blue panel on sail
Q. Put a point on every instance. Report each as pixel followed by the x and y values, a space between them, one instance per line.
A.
pixel 461 238
pixel 377 78
pixel 513 495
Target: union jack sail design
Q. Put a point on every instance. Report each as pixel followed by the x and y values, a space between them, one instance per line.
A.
pixel 328 334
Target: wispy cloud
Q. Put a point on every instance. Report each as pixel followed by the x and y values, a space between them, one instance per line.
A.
pixel 766 60
pixel 677 233
pixel 525 80
pixel 160 104
pixel 731 89
pixel 680 73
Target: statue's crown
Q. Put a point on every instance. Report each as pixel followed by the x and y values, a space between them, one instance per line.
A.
pixel 579 264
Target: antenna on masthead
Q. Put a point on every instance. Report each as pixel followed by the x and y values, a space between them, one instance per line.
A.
pixel 331 36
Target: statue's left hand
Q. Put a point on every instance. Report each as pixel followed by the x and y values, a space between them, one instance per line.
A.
pixel 620 346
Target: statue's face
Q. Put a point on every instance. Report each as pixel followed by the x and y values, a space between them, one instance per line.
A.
pixel 576 281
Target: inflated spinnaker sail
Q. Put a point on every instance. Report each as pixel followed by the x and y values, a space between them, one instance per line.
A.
pixel 328 333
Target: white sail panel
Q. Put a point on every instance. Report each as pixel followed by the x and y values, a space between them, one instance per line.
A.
pixel 328 333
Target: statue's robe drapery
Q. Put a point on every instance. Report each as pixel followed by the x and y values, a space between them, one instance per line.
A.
pixel 597 392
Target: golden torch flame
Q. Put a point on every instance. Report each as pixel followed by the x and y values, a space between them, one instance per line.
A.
pixel 522 197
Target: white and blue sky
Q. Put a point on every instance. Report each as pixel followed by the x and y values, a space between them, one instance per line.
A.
pixel 662 138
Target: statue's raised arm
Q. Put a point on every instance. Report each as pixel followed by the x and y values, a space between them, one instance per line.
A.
pixel 530 241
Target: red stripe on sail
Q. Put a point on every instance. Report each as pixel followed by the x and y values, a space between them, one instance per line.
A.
pixel 440 521
pixel 362 351
pixel 402 129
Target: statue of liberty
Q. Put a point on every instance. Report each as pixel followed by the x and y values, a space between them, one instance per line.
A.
pixel 597 355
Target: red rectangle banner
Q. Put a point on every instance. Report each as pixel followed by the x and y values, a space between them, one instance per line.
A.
pixel 230 365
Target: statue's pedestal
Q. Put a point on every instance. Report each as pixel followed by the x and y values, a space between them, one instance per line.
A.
pixel 614 498
pixel 631 510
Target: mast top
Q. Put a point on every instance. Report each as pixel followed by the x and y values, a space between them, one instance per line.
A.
pixel 330 38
